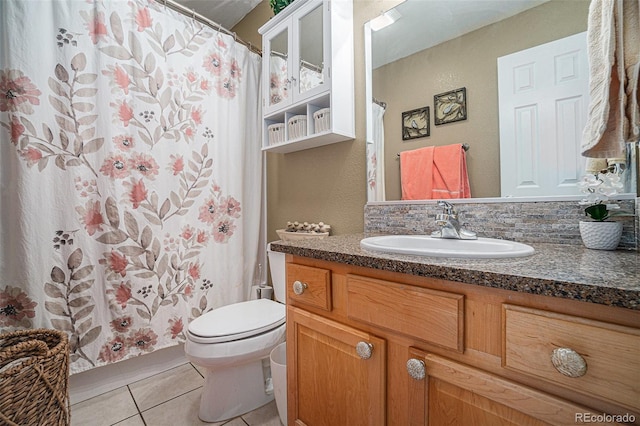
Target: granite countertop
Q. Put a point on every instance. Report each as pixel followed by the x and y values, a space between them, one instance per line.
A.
pixel 560 270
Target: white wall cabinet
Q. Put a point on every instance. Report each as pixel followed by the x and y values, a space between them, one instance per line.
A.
pixel 307 69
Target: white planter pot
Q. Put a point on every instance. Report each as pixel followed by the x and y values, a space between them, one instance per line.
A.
pixel 601 235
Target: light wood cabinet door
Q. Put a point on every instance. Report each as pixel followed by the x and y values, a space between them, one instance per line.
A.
pixel 451 393
pixel 335 373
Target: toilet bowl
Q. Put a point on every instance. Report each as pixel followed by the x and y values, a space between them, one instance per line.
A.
pixel 233 343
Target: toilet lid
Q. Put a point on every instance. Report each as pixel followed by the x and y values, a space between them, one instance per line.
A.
pixel 239 320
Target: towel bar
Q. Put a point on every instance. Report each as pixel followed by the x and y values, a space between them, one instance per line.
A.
pixel 465 146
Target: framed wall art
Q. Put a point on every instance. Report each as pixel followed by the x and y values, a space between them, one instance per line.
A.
pixel 415 123
pixel 450 106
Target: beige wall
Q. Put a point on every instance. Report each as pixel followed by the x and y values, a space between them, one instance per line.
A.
pixel 327 183
pixel 247 29
pixel 468 61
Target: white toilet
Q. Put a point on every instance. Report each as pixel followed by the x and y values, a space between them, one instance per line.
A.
pixel 233 344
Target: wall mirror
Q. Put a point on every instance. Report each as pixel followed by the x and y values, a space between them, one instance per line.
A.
pixel 312 50
pixel 278 66
pixel 437 47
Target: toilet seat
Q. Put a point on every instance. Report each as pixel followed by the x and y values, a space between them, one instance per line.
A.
pixel 237 321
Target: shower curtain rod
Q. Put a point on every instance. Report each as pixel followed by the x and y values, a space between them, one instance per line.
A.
pixel 214 25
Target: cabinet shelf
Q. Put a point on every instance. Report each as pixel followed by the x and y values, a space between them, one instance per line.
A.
pixel 314 137
pixel 315 140
pixel 308 67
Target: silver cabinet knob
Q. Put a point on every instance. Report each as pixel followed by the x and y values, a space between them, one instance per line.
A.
pixel 416 369
pixel 568 362
pixel 299 287
pixel 364 350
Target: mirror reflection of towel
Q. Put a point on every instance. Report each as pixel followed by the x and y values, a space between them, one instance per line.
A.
pixel 613 37
pixel 416 173
pixel 434 173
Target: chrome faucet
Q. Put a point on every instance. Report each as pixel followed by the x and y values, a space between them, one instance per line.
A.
pixel 449 225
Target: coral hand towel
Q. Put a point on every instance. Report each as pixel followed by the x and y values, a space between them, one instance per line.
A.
pixel 450 178
pixel 434 172
pixel 416 173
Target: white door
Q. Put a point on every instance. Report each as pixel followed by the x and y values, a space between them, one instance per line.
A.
pixel 543 97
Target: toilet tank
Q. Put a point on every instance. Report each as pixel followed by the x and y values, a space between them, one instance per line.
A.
pixel 277 267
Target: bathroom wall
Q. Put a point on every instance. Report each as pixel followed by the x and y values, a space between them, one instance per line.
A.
pixel 328 183
pixel 247 28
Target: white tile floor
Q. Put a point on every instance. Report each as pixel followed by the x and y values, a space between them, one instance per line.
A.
pixel 170 398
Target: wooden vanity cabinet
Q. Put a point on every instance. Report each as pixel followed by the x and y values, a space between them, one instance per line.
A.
pixel 444 353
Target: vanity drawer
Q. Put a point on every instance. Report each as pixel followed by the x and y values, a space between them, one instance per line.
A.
pixel 432 316
pixel 610 353
pixel 309 286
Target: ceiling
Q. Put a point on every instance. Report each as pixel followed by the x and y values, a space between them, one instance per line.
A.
pixel 420 21
pixel 224 12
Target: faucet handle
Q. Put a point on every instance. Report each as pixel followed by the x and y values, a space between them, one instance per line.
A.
pixel 448 208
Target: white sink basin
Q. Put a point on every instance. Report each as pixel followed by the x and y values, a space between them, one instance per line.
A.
pixel 423 245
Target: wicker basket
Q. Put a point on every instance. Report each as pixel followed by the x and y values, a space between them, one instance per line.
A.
pixel 322 119
pixel 276 133
pixel 34 378
pixel 297 126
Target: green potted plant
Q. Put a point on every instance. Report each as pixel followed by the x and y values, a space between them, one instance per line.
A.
pixel 600 233
pixel 278 5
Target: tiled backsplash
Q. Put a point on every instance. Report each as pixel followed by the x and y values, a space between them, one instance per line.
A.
pixel 527 222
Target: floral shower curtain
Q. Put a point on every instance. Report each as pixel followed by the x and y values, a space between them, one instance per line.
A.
pixel 130 173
